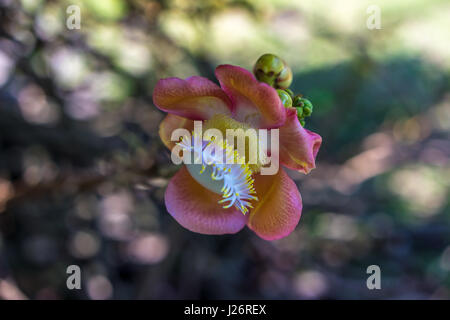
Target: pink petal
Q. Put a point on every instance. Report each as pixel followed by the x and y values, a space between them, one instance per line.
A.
pixel 196 208
pixel 169 124
pixel 279 208
pixel 254 102
pixel 195 98
pixel 298 146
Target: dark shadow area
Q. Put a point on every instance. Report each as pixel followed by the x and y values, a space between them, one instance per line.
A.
pixel 83 174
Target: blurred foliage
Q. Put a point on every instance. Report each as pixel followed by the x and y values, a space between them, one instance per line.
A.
pixel 83 171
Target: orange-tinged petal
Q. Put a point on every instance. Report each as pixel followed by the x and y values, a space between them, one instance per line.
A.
pixel 169 124
pixel 279 208
pixel 298 146
pixel 253 102
pixel 197 209
pixel 195 98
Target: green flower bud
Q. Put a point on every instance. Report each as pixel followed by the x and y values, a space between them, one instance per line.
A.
pixel 284 80
pixel 267 68
pixel 290 92
pixel 285 98
pixel 307 111
pixel 302 122
pixel 303 103
pixel 307 107
pixel 270 80
pixel 299 112
pixel 273 70
pixel 307 104
pixel 297 101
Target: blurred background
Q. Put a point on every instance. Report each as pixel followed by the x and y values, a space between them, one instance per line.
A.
pixel 83 171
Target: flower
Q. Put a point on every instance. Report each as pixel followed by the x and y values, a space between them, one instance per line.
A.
pixel 227 198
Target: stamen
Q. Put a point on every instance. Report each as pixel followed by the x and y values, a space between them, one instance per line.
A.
pixel 236 176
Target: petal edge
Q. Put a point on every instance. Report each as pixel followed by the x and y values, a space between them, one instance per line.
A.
pixel 195 98
pixel 196 208
pixel 169 124
pixel 279 211
pixel 298 146
pixel 253 101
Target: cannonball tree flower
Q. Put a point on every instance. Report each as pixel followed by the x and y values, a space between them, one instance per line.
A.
pixel 231 197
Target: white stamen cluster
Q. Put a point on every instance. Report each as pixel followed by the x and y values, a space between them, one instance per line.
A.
pixel 228 166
